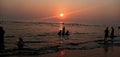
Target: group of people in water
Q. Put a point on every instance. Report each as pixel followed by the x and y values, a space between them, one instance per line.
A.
pixel 63 32
pixel 108 33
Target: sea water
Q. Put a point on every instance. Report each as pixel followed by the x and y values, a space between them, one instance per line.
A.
pixel 44 34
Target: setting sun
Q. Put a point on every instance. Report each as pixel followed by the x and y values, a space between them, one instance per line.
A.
pixel 61 14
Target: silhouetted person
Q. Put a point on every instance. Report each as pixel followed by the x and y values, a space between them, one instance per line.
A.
pixel 20 43
pixel 2 32
pixel 119 27
pixel 112 33
pixel 60 33
pixel 67 33
pixel 63 31
pixel 106 33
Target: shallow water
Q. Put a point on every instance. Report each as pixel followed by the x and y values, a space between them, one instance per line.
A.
pixel 40 35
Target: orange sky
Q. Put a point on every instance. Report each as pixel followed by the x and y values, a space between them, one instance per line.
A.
pixel 49 10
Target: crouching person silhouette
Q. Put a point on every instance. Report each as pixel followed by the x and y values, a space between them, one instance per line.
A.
pixel 20 43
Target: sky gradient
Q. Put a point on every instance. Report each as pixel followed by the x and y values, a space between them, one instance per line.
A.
pixel 82 11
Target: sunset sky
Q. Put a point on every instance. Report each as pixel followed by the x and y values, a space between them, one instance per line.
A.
pixel 82 11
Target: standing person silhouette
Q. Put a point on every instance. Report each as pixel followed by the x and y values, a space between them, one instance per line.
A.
pixel 2 32
pixel 63 31
pixel 112 33
pixel 106 34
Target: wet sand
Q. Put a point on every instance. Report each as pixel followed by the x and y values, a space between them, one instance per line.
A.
pixel 95 48
pixel 99 52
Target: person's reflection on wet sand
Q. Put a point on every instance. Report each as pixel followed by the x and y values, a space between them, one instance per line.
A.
pixel 61 53
pixel 106 48
pixel 108 45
